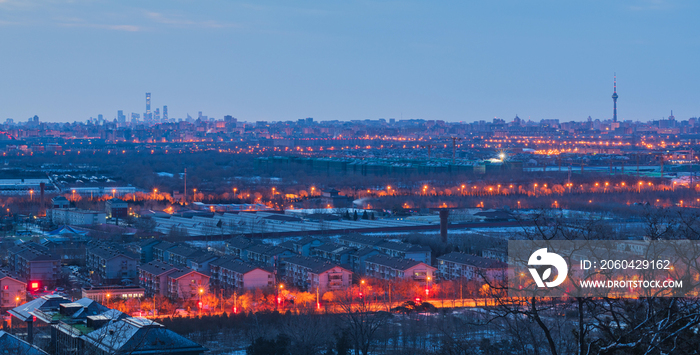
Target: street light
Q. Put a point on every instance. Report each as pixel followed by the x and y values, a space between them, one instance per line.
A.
pixel 279 299
pixel 201 292
pixel 427 287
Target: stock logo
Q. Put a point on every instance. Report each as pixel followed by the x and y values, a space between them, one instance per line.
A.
pixel 541 258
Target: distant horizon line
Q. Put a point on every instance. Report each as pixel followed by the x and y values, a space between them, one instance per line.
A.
pixel 178 119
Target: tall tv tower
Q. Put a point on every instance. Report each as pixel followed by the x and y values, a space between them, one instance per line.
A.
pixel 614 97
pixel 147 116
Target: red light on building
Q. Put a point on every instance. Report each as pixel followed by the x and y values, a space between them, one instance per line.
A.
pixel 417 299
pixel 279 299
pixel 200 304
pixel 34 285
pixel 235 310
pixel 318 305
pixel 427 292
pixel 361 295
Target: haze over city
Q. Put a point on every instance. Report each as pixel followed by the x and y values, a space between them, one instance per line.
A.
pixel 336 178
pixel 273 61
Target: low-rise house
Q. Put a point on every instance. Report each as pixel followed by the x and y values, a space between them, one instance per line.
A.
pixel 111 264
pixel 87 327
pixel 457 265
pixel 389 268
pixel 112 293
pixel 139 336
pixel 316 274
pixel 25 326
pixel 13 290
pixel 11 344
pixel 231 274
pixel 68 323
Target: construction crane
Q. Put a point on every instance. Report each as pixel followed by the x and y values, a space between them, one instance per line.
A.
pixel 429 146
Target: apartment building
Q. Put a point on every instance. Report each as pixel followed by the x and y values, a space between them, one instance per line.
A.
pixel 35 264
pixel 315 273
pixel 13 291
pixel 231 274
pixel 457 265
pixel 111 264
pixel 390 268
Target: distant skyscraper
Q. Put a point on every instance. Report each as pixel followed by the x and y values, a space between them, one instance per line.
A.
pixel 156 113
pixel 165 113
pixel 148 106
pixel 614 97
pixel 120 116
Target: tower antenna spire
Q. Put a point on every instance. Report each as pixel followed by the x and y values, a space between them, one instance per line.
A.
pixel 614 97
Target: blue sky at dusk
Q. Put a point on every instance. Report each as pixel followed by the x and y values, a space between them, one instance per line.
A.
pixel 286 60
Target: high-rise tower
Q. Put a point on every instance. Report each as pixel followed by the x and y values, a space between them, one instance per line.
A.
pixel 614 97
pixel 148 106
pixel 165 113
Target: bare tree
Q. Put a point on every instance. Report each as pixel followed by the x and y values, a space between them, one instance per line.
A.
pixel 361 319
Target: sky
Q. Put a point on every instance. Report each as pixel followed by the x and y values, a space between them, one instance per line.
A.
pixel 346 60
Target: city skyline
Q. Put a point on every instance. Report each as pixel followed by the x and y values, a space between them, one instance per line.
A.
pixel 454 62
pixel 154 116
